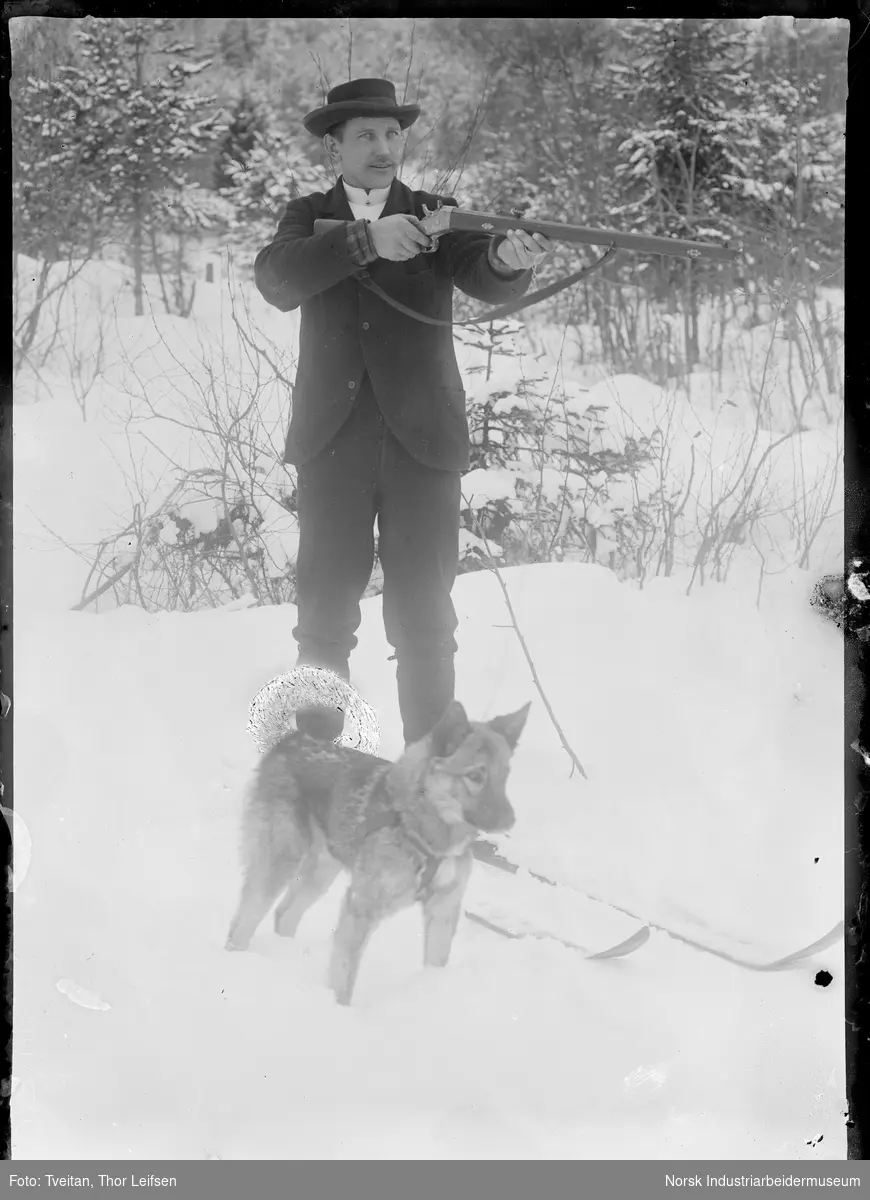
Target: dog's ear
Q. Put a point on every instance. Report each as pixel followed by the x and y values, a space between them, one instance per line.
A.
pixel 451 731
pixel 511 726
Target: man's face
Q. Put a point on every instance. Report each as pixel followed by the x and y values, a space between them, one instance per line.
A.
pixel 369 151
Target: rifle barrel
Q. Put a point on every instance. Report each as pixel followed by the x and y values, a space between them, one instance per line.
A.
pixel 640 243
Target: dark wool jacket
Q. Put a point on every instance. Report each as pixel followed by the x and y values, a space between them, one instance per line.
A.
pixel 347 331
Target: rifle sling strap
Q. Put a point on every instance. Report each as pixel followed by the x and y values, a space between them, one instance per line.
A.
pixel 494 314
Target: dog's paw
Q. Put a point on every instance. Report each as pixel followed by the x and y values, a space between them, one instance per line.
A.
pixel 435 964
pixel 231 945
pixel 285 926
pixel 341 988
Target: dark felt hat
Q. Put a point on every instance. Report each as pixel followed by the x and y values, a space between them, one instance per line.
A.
pixel 360 98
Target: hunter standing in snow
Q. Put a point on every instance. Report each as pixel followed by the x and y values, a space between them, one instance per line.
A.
pixel 378 425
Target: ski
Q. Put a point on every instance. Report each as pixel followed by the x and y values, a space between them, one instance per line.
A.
pixel 520 906
pixel 618 950
pixel 797 958
pixel 486 853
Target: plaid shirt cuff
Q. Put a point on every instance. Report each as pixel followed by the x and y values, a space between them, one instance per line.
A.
pixel 359 243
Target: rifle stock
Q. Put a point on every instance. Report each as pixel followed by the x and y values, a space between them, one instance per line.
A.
pixel 448 218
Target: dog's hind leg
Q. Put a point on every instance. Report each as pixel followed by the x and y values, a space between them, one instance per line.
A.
pixel 351 938
pixel 441 911
pixel 314 879
pixel 260 890
pixel 275 848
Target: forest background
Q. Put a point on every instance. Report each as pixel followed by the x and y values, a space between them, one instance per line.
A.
pixel 170 147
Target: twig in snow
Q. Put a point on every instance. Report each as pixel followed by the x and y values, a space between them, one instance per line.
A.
pixel 494 568
pixel 104 587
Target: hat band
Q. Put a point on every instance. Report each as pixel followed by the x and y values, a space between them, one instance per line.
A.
pixel 366 102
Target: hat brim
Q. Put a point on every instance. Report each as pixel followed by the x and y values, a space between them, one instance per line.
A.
pixel 321 120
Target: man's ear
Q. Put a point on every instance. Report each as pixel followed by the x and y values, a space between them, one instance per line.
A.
pixel 451 731
pixel 511 726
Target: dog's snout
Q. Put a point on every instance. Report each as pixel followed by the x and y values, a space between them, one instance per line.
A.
pixel 496 818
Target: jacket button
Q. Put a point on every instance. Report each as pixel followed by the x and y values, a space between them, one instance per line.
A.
pixel 351 385
pixel 366 325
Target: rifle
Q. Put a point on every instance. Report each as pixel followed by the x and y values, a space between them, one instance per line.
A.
pixel 448 218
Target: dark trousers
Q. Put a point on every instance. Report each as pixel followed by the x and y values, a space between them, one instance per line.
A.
pixel 365 473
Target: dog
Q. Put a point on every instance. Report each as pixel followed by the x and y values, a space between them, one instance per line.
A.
pixel 403 831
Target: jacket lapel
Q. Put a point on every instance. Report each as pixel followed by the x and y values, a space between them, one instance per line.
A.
pixel 336 205
pixel 399 200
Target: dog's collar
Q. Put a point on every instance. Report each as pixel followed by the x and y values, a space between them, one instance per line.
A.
pixel 432 861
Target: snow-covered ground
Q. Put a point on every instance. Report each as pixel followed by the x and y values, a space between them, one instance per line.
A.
pixel 709 727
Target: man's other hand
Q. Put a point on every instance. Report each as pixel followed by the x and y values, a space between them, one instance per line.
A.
pixel 521 250
pixel 398 237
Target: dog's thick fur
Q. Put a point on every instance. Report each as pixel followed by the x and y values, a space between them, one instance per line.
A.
pixel 402 830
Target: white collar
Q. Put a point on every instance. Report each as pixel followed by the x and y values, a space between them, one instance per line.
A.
pixel 361 197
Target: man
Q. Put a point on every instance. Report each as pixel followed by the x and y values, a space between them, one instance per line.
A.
pixel 378 425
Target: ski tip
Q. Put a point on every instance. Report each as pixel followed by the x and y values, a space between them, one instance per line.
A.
pixel 800 956
pixel 637 939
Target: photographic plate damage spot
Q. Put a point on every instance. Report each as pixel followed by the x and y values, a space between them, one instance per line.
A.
pixel 274 706
pixel 859 749
pixel 829 599
pixel 81 996
pixel 846 601
pixel 22 847
pixel 650 1079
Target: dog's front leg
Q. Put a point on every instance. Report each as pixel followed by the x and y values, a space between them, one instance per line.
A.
pixel 351 938
pixel 441 911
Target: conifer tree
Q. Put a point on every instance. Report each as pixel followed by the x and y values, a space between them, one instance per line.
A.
pixel 124 123
pixel 58 184
pixel 682 81
pixel 238 141
pixel 276 170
